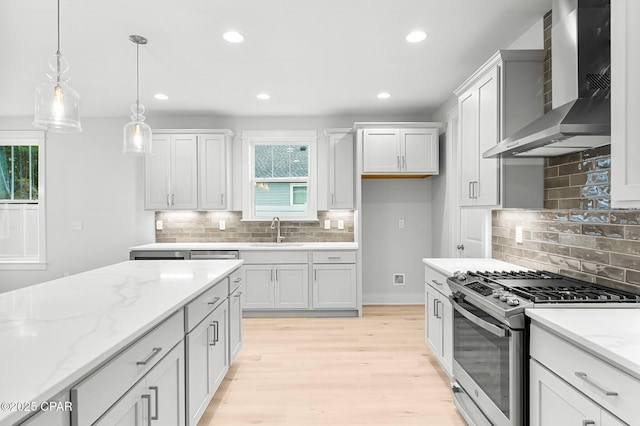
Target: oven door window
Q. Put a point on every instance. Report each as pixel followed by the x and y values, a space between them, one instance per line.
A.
pixel 483 355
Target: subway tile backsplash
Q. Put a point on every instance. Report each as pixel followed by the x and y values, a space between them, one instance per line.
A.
pixel 202 227
pixel 578 234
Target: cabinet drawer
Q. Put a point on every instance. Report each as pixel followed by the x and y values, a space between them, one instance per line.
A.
pixel 436 280
pixel 334 257
pixel 93 396
pixel 235 280
pixel 274 257
pixel 590 375
pixel 196 310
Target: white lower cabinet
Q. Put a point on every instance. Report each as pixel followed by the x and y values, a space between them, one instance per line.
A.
pixel 276 286
pixel 157 399
pixel 207 349
pixel 438 318
pixel 569 386
pixel 334 286
pixel 235 322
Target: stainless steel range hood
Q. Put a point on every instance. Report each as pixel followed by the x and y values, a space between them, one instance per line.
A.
pixel 581 86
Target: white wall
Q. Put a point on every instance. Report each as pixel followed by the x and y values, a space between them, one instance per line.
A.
pixel 532 38
pixel 88 180
pixel 386 249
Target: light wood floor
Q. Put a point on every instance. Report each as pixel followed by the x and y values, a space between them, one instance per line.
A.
pixel 374 370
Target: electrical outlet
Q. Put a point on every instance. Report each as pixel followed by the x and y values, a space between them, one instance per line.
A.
pixel 327 224
pixel 76 225
pixel 222 225
pixel 158 225
pixel 518 234
pixel 341 224
pixel 401 224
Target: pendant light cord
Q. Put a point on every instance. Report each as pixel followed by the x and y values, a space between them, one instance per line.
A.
pixel 58 27
pixel 137 77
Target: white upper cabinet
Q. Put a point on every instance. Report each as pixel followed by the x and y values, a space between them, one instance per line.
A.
pixel 504 95
pixel 625 104
pixel 341 175
pixel 214 171
pixel 189 170
pixel 400 151
pixel 171 179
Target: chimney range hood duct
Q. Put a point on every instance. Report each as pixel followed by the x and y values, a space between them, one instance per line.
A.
pixel 582 75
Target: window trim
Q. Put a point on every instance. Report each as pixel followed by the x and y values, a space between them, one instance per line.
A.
pixel 290 137
pixel 30 137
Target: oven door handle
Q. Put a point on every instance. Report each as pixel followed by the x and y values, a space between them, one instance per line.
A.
pixel 498 331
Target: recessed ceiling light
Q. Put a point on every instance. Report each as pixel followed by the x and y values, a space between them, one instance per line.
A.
pixel 263 96
pixel 416 36
pixel 161 96
pixel 233 37
pixel 384 95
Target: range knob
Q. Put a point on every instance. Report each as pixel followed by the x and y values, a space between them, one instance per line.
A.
pixel 460 276
pixel 497 293
pixel 513 301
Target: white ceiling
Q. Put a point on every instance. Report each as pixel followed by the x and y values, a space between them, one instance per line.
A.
pixel 320 57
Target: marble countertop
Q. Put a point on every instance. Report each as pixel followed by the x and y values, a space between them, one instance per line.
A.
pixel 448 266
pixel 248 246
pixel 52 334
pixel 610 334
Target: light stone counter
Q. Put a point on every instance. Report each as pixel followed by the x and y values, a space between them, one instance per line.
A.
pixel 55 333
pixel 247 246
pixel 610 334
pixel 448 266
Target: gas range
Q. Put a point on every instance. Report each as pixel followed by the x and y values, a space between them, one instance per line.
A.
pixel 505 294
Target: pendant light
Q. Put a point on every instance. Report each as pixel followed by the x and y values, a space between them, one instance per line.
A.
pixel 57 103
pixel 137 133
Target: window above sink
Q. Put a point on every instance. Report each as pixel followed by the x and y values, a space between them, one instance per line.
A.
pixel 279 175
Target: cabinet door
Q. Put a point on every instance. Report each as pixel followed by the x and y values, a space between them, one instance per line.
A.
pixel 212 172
pixel 625 104
pixel 341 175
pixel 165 384
pixel 381 151
pixel 554 402
pixel 334 286
pixel 468 146
pixel 419 151
pixel 157 170
pixel 446 313
pixel 433 326
pixel 259 281
pixel 220 344
pixel 199 381
pixel 485 189
pixel 292 287
pixel 475 232
pixel 184 174
pixel 235 322
pixel 130 410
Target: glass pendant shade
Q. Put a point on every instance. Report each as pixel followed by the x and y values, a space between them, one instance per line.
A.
pixel 137 133
pixel 57 103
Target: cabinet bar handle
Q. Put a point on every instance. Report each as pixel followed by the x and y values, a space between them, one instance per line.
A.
pixel 315 275
pixel 588 422
pixel 238 294
pixel 436 282
pixel 470 184
pixel 168 199
pixel 398 162
pixel 276 274
pixel 148 398
pixel 173 200
pixel 211 342
pixel 222 199
pixel 475 189
pixel 145 361
pixel 215 300
pixel 404 162
pixel 216 336
pixel 334 257
pixel 333 199
pixel 237 280
pixel 583 376
pixel 435 308
pixel 155 391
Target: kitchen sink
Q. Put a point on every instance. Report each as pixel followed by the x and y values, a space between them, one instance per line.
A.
pixel 277 245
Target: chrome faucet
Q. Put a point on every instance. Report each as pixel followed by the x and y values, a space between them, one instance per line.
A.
pixel 276 223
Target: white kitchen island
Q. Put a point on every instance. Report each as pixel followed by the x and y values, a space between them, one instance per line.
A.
pixel 55 334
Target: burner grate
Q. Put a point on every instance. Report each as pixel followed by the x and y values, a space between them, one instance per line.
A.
pixel 572 294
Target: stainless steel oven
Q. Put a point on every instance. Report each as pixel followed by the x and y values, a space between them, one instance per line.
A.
pixel 487 366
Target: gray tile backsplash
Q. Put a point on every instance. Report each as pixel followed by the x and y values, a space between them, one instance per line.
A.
pixel 202 227
pixel 579 234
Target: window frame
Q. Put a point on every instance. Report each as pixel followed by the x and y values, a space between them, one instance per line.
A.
pixel 250 138
pixel 27 137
